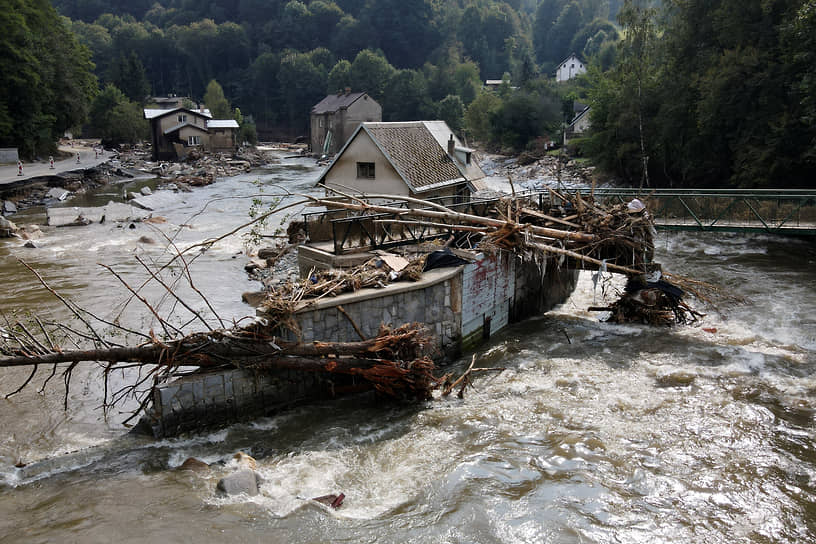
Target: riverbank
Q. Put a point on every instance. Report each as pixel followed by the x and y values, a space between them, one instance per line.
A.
pixel 90 166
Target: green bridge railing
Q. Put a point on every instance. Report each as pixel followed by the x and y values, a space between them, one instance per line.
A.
pixel 790 211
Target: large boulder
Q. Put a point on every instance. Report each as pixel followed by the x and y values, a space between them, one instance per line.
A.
pixel 245 481
pixel 7 228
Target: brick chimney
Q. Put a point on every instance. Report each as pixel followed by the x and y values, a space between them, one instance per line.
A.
pixel 451 146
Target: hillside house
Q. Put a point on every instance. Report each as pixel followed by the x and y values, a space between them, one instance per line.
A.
pixel 174 131
pixel 580 122
pixel 335 118
pixel 569 68
pixel 421 159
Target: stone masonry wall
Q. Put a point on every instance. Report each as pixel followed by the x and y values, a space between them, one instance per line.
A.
pixel 207 400
pixel 430 305
pixel 200 401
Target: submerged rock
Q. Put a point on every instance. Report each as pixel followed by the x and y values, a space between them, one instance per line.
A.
pixel 245 481
pixel 194 465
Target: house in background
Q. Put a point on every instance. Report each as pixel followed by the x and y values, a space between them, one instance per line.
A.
pixel 174 131
pixel 420 159
pixel 569 68
pixel 335 118
pixel 580 122
pixel 492 84
pixel 168 102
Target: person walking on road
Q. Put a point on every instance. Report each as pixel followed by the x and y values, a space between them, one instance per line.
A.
pixel 51 162
pixel 19 168
pixel 77 157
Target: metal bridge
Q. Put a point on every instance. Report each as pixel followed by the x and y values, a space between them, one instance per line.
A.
pixel 787 212
pixel 790 212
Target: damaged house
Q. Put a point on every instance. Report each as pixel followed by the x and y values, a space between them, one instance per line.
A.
pixel 174 131
pixel 420 159
pixel 337 116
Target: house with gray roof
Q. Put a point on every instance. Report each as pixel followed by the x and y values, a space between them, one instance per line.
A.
pixel 580 122
pixel 175 131
pixel 570 67
pixel 421 159
pixel 335 118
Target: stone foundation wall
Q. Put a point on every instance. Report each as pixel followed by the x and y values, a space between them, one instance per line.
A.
pixel 488 294
pixel 209 400
pixel 431 305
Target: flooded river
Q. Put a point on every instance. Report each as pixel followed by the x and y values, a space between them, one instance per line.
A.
pixel 594 433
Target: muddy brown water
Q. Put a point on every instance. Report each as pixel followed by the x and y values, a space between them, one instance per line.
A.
pixel 621 434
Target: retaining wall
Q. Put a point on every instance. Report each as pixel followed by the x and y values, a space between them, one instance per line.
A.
pixel 462 306
pixel 9 155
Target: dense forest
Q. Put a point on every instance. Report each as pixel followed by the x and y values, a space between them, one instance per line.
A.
pixel 682 93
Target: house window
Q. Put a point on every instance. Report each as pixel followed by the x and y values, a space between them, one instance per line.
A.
pixel 572 65
pixel 320 122
pixel 182 118
pixel 194 140
pixel 365 170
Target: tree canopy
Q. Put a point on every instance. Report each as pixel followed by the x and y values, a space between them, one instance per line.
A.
pixel 710 93
pixel 47 79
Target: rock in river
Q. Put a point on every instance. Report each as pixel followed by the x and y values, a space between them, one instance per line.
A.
pixel 244 481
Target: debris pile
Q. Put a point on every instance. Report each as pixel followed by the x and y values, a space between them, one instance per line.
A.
pixel 571 231
pixel 197 168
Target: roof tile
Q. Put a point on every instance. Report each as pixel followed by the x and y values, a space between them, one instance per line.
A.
pixel 416 153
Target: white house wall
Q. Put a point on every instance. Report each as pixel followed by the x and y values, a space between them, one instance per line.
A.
pixel 344 172
pixel 488 287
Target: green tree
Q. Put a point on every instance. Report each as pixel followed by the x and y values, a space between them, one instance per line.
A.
pixel 247 131
pixel 479 113
pixel 467 81
pixel 48 82
pixel 404 29
pixel 638 65
pixel 302 85
pixel 339 76
pixel 116 119
pixel 406 97
pixel 452 111
pixel 370 72
pixel 522 117
pixel 349 37
pixel 216 102
pixel 545 17
pixel 564 29
pixel 128 75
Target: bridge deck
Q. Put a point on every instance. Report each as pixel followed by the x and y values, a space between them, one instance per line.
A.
pixel 789 212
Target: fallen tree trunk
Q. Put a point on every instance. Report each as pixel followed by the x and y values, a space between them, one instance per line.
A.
pixel 395 362
pixel 210 349
pixel 459 217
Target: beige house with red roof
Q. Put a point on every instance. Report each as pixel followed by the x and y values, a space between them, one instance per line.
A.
pixel 420 159
pixel 335 118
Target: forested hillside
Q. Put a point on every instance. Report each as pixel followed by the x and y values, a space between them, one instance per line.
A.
pixel 46 83
pixel 683 93
pixel 710 93
pixel 275 59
